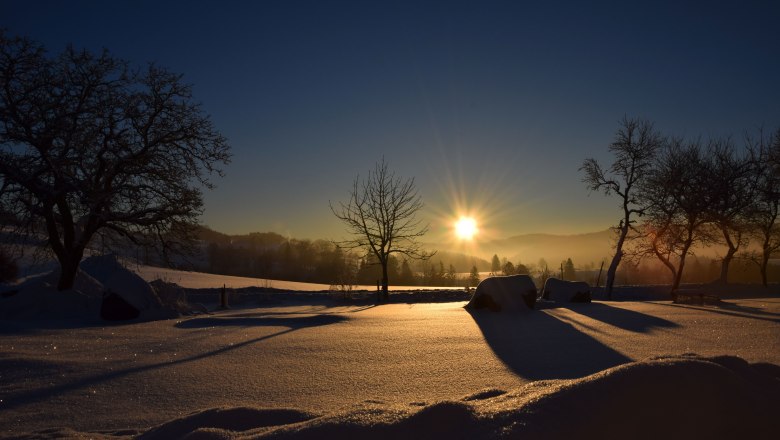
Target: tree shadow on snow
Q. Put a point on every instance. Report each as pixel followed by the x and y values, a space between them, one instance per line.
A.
pixel 261 321
pixel 620 317
pixel 319 310
pixel 730 309
pixel 26 397
pixel 536 345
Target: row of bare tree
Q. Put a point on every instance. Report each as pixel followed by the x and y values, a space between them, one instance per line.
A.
pixel 676 194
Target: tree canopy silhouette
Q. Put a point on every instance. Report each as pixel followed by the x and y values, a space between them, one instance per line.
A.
pixel 91 146
pixel 678 196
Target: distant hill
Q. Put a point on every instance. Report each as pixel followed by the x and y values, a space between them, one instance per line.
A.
pixel 462 262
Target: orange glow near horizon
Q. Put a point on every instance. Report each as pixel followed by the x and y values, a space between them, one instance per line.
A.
pixel 466 228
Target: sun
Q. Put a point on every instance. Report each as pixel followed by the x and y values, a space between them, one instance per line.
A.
pixel 465 228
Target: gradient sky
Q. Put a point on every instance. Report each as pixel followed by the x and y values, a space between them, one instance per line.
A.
pixel 490 105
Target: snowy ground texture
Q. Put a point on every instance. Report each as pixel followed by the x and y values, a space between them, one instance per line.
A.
pixel 318 370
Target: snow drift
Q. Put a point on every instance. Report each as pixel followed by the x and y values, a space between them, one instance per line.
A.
pixel 672 397
pixel 38 298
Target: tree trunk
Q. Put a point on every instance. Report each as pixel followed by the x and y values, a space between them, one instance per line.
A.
pixel 665 261
pixel 67 276
pixel 681 266
pixel 678 275
pixel 69 267
pixel 618 256
pixel 764 264
pixel 724 265
pixel 385 293
pixel 612 271
pixel 68 250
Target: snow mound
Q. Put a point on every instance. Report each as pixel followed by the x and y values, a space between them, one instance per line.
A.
pixel 230 419
pixel 681 397
pixel 672 397
pixel 37 298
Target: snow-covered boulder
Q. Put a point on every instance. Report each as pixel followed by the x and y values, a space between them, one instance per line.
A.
pixel 508 294
pixel 562 291
pixel 126 284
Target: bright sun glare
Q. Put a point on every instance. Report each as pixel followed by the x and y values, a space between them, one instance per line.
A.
pixel 465 228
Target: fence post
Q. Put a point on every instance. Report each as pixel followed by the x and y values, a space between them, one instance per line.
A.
pixel 224 301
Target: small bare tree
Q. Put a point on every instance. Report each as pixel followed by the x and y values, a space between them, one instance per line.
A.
pixel 381 216
pixel 635 146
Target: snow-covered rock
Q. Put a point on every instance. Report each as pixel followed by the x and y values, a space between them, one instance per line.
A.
pixel 122 281
pixel 509 293
pixel 562 291
pixel 127 284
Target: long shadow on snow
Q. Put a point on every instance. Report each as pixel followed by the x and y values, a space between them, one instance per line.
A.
pixel 261 321
pixel 27 397
pixel 39 326
pixel 536 345
pixel 321 310
pixel 620 317
pixel 730 309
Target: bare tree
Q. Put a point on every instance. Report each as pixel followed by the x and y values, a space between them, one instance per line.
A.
pixel 635 146
pixel 765 207
pixel 381 216
pixel 731 194
pixel 677 200
pixel 89 146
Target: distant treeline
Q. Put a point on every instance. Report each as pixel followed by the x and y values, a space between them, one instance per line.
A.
pixel 271 255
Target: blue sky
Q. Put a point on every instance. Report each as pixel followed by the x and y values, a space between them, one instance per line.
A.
pixel 491 106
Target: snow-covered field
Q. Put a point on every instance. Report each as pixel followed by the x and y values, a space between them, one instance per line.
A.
pixel 199 280
pixel 413 370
